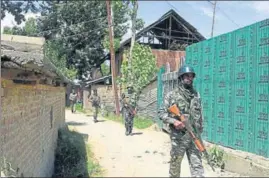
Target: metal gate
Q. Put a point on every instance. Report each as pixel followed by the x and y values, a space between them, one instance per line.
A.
pixel 166 82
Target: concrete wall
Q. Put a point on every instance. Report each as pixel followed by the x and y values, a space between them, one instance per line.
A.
pixel 31 117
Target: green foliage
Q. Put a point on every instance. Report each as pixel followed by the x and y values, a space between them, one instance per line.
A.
pixel 29 29
pixel 7 30
pixel 79 108
pixel 53 53
pixel 120 8
pixel 74 157
pixel 105 69
pixel 142 122
pixel 217 156
pixel 139 122
pixel 17 8
pixel 143 67
pixel 84 30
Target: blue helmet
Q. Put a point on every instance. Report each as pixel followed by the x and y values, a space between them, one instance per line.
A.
pixel 185 69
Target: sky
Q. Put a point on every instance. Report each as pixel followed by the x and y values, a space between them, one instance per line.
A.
pixel 230 15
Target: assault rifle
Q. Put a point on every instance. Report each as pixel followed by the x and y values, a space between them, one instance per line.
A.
pixel 174 110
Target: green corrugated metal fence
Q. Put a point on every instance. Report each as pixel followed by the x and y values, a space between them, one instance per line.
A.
pixel 233 79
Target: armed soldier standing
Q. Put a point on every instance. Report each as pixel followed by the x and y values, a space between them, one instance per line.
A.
pixel 73 100
pixel 95 100
pixel 128 110
pixel 188 101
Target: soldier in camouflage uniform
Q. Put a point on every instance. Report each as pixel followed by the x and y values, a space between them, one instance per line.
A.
pixel 188 102
pixel 128 110
pixel 73 100
pixel 95 100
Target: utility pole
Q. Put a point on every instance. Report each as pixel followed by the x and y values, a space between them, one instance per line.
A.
pixel 112 55
pixel 213 23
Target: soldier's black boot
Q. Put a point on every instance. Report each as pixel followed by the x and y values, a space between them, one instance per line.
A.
pixel 126 132
pixel 130 130
pixel 95 119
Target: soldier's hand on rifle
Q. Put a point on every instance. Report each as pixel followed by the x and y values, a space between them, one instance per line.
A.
pixel 179 124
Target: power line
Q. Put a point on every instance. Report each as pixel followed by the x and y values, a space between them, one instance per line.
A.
pixel 225 14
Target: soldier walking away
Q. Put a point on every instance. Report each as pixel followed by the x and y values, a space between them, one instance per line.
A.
pixel 128 110
pixel 188 101
pixel 73 100
pixel 95 100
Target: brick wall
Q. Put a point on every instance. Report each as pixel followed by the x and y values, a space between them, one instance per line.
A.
pixel 31 116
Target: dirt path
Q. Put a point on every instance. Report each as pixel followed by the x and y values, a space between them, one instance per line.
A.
pixel 145 154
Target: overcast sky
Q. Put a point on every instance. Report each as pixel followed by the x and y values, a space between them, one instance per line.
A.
pixel 230 15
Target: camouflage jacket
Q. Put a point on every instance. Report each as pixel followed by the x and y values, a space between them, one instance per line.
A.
pixel 129 100
pixel 95 100
pixel 73 97
pixel 188 102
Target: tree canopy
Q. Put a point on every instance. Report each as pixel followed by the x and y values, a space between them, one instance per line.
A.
pixel 82 29
pixel 79 29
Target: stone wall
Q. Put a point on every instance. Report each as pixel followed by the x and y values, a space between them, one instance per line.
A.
pixel 31 117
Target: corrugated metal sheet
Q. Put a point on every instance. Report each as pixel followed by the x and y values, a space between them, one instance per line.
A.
pixel 174 58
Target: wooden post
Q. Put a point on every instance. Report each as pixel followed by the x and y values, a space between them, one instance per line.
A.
pixel 112 55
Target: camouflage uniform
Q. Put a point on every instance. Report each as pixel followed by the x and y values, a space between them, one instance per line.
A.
pixel 95 99
pixel 128 112
pixel 73 101
pixel 188 102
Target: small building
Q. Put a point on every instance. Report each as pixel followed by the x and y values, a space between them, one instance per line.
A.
pixel 168 37
pixel 104 89
pixel 32 107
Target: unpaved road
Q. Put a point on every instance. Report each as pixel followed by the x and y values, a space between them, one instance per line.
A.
pixel 145 154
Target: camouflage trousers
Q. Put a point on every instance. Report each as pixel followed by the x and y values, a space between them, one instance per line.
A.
pixel 181 143
pixel 95 113
pixel 128 121
pixel 73 106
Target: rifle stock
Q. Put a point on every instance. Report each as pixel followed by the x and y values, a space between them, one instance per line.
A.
pixel 174 110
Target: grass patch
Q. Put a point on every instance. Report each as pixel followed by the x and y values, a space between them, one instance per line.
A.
pixel 139 122
pixel 79 108
pixel 217 156
pixel 74 157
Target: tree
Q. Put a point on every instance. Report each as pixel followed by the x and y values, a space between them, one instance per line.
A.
pixel 52 52
pixel 143 67
pixel 81 28
pixel 17 8
pixel 30 27
pixel 133 17
pixel 7 30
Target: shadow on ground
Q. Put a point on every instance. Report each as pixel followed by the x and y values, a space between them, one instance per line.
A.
pixel 71 155
pixel 101 121
pixel 76 123
pixel 137 133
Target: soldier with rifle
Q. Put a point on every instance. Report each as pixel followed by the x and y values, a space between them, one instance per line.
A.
pixel 95 100
pixel 128 109
pixel 186 100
